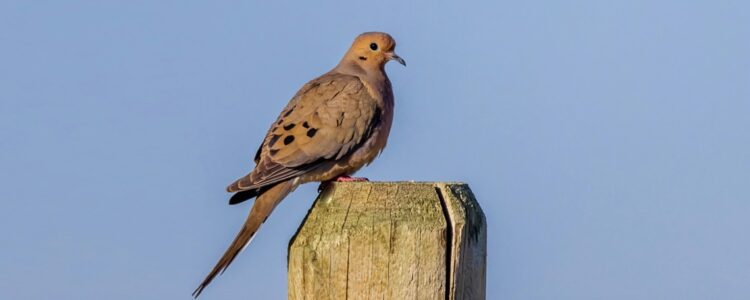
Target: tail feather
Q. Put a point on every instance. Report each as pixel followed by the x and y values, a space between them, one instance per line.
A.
pixel 242 196
pixel 262 208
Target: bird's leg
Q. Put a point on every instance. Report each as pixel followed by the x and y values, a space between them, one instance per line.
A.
pixel 350 179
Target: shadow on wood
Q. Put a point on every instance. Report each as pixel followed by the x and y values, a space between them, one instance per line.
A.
pixel 390 240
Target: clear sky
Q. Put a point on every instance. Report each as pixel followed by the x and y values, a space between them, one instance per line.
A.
pixel 607 141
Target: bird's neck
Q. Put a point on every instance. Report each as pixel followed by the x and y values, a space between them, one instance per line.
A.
pixel 374 77
pixel 353 67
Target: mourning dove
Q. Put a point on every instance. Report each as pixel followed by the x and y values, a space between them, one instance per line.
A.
pixel 333 126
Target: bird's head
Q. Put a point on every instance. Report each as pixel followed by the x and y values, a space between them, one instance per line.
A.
pixel 372 50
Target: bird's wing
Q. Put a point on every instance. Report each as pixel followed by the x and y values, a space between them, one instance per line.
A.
pixel 327 119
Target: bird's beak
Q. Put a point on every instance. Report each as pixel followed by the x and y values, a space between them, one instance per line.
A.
pixel 393 56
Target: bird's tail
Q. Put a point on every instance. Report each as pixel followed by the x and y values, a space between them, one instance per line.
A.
pixel 263 206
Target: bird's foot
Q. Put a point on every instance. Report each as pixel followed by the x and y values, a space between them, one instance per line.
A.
pixel 350 179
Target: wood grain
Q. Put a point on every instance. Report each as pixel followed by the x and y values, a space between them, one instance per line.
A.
pixel 390 240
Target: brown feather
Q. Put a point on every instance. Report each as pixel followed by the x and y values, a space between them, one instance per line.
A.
pixel 333 126
pixel 340 111
pixel 262 207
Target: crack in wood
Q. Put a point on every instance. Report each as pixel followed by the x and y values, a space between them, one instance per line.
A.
pixel 448 242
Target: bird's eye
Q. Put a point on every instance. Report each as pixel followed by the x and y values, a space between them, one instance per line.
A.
pixel 374 46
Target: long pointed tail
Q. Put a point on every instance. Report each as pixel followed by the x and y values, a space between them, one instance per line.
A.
pixel 263 206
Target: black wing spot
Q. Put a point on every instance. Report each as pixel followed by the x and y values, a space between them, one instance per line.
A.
pixel 280 121
pixel 288 139
pixel 305 125
pixel 289 126
pixel 273 151
pixel 311 132
pixel 362 58
pixel 289 112
pixel 273 140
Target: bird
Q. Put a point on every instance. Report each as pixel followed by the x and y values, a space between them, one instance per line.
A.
pixel 333 126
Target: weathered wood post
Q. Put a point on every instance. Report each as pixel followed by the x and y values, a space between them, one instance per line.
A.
pixel 390 240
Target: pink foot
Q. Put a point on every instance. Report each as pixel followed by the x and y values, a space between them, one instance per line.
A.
pixel 350 179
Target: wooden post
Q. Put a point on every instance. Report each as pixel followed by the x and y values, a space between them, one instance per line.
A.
pixel 390 240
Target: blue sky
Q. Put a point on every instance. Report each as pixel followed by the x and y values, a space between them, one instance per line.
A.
pixel 607 141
